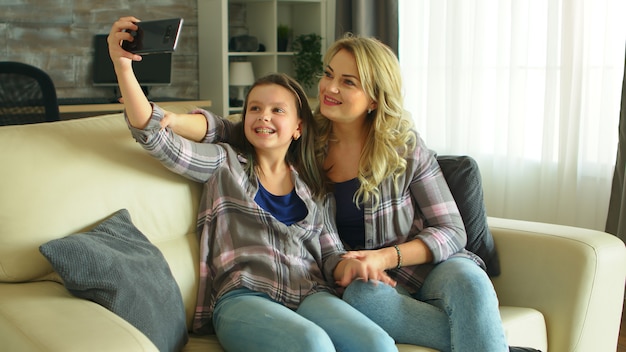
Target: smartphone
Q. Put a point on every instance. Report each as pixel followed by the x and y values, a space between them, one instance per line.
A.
pixel 159 36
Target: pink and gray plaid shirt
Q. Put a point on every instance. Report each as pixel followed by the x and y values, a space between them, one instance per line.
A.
pixel 242 245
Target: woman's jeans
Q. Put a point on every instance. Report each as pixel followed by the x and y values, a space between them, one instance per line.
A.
pixel 246 320
pixel 455 310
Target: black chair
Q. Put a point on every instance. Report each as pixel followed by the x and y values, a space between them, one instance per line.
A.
pixel 27 95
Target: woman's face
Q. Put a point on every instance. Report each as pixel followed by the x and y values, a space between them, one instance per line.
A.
pixel 271 119
pixel 342 98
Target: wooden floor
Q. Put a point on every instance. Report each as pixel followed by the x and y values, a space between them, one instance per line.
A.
pixel 621 341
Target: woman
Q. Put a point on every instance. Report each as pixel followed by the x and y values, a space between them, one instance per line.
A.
pixel 394 203
pixel 266 242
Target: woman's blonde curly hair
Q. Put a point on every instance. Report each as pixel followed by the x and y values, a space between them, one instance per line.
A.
pixel 390 136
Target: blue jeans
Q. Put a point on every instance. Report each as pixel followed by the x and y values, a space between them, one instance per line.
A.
pixel 245 320
pixel 455 310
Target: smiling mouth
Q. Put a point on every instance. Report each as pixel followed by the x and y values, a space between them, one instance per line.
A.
pixel 264 130
pixel 331 100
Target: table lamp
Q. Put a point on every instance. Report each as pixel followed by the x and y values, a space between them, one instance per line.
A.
pixel 241 76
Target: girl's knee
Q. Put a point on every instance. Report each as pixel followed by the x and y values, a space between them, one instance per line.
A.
pixel 375 340
pixel 311 338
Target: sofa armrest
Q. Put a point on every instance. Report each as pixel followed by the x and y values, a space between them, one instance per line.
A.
pixel 574 276
pixel 44 316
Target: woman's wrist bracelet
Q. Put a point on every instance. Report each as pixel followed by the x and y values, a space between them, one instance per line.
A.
pixel 399 256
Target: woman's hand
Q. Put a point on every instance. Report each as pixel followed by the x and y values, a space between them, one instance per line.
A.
pixel 377 259
pixel 350 269
pixel 414 252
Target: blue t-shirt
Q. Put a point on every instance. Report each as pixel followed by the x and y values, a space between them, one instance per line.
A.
pixel 288 209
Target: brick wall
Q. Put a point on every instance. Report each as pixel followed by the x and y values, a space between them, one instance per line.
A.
pixel 57 36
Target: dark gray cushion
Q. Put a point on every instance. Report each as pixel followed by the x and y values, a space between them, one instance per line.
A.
pixel 463 177
pixel 116 266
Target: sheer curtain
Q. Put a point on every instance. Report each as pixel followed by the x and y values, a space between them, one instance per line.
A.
pixel 529 88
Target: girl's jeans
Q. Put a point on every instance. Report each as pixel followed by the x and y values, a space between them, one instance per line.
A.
pixel 246 320
pixel 455 310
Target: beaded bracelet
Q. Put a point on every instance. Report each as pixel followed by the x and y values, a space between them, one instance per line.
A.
pixel 399 256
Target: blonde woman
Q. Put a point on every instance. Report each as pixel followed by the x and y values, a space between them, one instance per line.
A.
pixel 395 210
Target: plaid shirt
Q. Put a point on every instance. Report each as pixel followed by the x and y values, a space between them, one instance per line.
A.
pixel 421 207
pixel 242 245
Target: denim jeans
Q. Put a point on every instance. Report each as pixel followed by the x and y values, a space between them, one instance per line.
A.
pixel 455 310
pixel 246 320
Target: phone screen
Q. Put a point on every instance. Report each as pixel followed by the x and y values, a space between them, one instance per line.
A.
pixel 160 36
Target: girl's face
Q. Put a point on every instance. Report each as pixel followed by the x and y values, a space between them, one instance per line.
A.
pixel 271 120
pixel 342 98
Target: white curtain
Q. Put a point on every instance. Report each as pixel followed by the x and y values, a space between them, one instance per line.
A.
pixel 530 88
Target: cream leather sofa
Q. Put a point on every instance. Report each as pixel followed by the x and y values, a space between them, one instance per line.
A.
pixel 561 288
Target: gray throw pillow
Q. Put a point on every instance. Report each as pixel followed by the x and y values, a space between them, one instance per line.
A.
pixel 116 266
pixel 463 177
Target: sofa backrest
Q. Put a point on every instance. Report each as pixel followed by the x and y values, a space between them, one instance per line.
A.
pixel 64 177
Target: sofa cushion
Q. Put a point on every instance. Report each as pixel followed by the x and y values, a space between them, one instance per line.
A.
pixel 463 177
pixel 116 266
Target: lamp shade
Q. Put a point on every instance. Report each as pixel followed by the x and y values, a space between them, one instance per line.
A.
pixel 241 74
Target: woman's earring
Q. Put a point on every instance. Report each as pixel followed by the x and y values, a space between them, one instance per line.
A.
pixel 369 111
